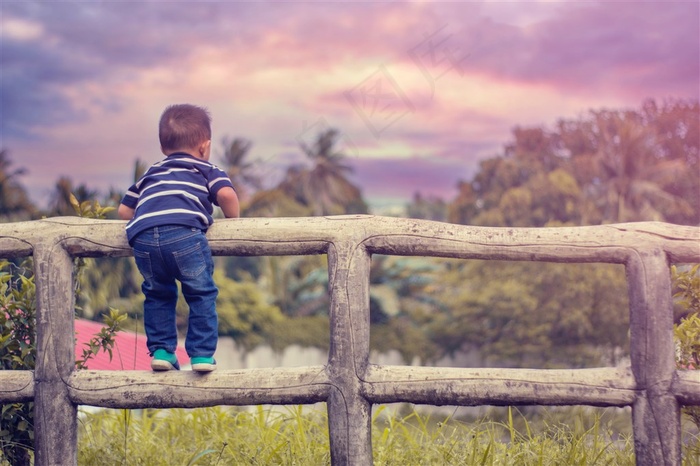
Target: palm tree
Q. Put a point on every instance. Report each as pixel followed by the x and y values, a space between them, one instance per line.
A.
pixel 14 201
pixel 238 168
pixel 325 187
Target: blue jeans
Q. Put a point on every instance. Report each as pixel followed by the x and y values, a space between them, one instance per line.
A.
pixel 167 253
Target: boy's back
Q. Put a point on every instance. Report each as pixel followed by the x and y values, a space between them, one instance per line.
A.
pixel 169 211
pixel 179 190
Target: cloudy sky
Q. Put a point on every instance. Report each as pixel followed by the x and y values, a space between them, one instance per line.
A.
pixel 420 91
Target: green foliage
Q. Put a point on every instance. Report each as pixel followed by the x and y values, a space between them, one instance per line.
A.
pixel 606 166
pixel 17 352
pixel 18 315
pixel 520 313
pixel 247 317
pixel 63 199
pixel 687 331
pixel 18 340
pixel 403 302
pixel 687 334
pixel 428 208
pixel 274 203
pixel 108 282
pixel 400 334
pixel 686 289
pixel 103 340
pixel 244 314
pixel 89 208
pixel 305 331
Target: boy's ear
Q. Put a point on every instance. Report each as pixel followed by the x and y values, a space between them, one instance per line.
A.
pixel 205 148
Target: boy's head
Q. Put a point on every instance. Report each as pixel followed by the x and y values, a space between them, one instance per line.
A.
pixel 185 127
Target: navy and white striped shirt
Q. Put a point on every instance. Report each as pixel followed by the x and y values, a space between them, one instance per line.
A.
pixel 179 190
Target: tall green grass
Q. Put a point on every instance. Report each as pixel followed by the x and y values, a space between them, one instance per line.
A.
pixel 299 436
pixel 209 436
pixel 419 440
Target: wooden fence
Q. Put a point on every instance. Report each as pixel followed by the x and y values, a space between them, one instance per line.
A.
pixel 348 383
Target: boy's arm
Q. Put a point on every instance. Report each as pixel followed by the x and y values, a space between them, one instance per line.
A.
pixel 124 212
pixel 228 201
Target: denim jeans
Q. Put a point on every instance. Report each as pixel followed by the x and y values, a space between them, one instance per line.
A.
pixel 167 253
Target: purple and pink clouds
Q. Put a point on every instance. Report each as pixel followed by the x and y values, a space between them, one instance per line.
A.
pixel 421 91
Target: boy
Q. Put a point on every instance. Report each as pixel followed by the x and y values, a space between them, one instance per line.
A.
pixel 169 211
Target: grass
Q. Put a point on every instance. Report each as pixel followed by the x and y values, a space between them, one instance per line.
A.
pixel 299 436
pixel 420 441
pixel 205 436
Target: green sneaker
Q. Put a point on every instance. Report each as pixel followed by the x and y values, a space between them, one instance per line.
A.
pixel 164 360
pixel 200 364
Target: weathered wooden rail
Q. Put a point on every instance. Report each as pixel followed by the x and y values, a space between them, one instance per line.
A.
pixel 348 382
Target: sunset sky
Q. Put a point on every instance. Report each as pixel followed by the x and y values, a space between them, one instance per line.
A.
pixel 421 91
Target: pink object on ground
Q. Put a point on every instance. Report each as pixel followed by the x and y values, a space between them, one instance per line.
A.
pixel 129 352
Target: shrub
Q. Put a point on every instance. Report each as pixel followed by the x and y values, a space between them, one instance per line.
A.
pixel 687 331
pixel 18 342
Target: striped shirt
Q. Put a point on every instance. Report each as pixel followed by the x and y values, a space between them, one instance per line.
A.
pixel 179 190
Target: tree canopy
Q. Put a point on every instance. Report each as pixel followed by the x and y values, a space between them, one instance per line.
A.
pixel 604 167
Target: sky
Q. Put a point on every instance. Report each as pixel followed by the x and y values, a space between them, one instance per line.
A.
pixel 419 91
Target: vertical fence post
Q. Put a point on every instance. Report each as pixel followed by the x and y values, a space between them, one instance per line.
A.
pixel 656 412
pixel 349 413
pixel 55 416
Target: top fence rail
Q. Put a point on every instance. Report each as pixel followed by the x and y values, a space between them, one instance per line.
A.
pixel 381 235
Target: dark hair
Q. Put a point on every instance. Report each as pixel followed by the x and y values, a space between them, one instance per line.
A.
pixel 184 126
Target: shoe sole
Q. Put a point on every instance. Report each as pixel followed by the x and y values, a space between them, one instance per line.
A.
pixel 203 367
pixel 161 365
